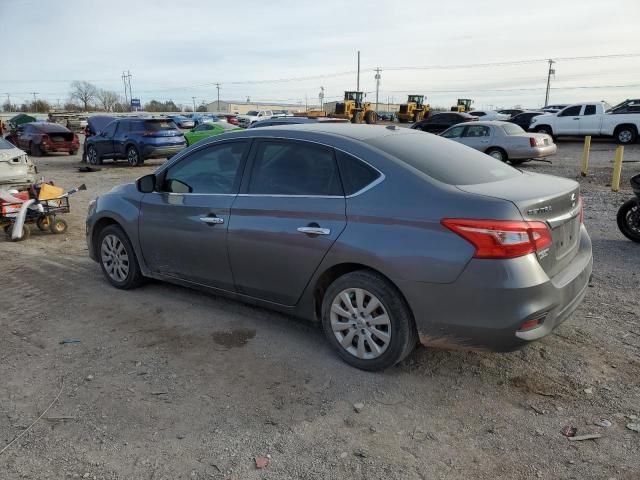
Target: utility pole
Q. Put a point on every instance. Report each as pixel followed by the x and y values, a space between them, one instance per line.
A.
pixel 194 103
pixel 129 78
pixel 218 102
pixel 9 101
pixel 552 71
pixel 124 82
pixel 321 98
pixel 358 81
pixel 34 96
pixel 377 77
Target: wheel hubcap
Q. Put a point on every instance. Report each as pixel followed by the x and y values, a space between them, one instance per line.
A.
pixel 114 258
pixel 624 136
pixel 496 155
pixel 132 157
pixel 360 323
pixel 93 156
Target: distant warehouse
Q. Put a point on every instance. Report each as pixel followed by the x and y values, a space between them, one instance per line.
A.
pixel 241 108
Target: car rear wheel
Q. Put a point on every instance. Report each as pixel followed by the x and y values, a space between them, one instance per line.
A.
pixel 92 156
pixel 626 135
pixel 497 153
pixel 367 321
pixel 133 156
pixel 118 259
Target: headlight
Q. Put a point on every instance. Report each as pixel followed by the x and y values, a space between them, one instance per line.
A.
pixel 92 207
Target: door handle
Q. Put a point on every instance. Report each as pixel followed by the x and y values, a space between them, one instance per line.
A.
pixel 576 118
pixel 314 230
pixel 212 220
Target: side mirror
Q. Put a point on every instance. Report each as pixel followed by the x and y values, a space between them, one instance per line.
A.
pixel 146 184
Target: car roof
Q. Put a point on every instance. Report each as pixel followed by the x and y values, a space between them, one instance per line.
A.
pixel 345 130
pixel 490 123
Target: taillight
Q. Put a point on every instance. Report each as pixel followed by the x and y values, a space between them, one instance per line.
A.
pixel 533 142
pixel 45 138
pixel 501 238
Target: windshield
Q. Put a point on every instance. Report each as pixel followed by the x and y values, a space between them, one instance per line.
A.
pixel 252 113
pixel 446 161
pixel 4 145
pixel 512 129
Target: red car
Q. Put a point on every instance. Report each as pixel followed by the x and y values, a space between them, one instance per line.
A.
pixel 232 119
pixel 39 138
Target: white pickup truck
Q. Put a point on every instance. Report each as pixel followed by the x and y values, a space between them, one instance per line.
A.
pixel 253 116
pixel 592 118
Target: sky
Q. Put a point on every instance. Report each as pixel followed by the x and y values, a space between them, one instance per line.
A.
pixel 285 50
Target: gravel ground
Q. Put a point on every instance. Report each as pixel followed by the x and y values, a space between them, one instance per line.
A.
pixel 170 383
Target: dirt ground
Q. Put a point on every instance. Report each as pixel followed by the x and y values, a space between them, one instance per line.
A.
pixel 169 383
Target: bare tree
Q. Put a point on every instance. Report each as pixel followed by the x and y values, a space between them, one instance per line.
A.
pixel 108 99
pixel 84 92
pixel 7 107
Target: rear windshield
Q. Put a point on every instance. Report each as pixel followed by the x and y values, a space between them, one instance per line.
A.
pixel 512 129
pixel 446 161
pixel 252 113
pixel 4 145
pixel 157 125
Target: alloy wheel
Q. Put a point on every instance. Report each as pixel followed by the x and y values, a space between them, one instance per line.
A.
pixel 92 156
pixel 114 258
pixel 132 157
pixel 360 323
pixel 625 136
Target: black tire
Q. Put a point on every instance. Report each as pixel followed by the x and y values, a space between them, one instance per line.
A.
pixel 626 134
pixel 43 223
pixel 58 225
pixel 497 153
pixel 544 129
pixel 35 150
pixel 357 117
pixel 26 233
pixel 92 156
pixel 520 161
pixel 133 156
pixel 403 333
pixel 371 117
pixel 134 276
pixel 628 219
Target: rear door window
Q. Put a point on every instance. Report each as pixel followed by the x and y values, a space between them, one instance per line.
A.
pixel 294 168
pixel 590 110
pixel 445 161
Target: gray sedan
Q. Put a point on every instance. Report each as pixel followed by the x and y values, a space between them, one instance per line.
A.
pixel 386 236
pixel 502 140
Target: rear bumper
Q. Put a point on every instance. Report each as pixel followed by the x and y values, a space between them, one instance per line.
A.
pixel 533 152
pixel 59 147
pixel 151 151
pixel 486 306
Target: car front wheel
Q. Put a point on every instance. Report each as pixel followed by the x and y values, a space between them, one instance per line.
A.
pixel 118 259
pixel 367 321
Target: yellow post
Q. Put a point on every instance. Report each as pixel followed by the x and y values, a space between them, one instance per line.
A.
pixel 617 169
pixel 585 156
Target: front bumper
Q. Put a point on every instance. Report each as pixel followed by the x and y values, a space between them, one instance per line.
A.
pixel 151 151
pixel 486 306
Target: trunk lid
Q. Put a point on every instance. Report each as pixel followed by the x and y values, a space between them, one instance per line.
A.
pixel 538 197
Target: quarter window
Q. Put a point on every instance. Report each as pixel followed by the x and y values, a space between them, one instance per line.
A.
pixel 355 174
pixel 214 169
pixel 294 168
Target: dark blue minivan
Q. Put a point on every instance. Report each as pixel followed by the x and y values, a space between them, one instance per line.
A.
pixel 135 140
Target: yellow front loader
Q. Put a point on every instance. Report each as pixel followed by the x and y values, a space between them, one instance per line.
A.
pixel 354 109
